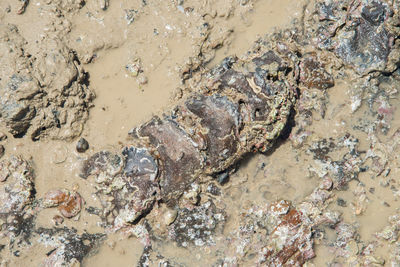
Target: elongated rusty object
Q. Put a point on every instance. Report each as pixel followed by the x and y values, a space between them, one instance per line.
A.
pixel 242 107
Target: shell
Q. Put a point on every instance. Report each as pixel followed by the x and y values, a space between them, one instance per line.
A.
pixel 170 216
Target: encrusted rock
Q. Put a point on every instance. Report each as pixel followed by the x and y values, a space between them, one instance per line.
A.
pixel 242 106
pixel 16 185
pixel 197 226
pixel 69 203
pixel 68 246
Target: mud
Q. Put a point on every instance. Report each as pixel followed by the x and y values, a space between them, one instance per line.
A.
pixel 131 132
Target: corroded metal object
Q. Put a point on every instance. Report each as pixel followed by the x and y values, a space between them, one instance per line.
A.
pixel 242 106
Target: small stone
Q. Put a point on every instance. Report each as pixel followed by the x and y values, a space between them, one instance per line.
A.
pixel 3 136
pixel 2 151
pixel 170 216
pixel 142 80
pixel 82 145
pixel 326 184
pixel 341 202
pixel 213 189
pixel 372 190
pixel 58 220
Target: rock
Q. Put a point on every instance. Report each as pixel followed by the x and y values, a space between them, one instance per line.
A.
pixel 69 203
pixel 82 145
pixel 126 184
pixel 170 216
pixel 3 136
pixel 58 220
pixel 1 151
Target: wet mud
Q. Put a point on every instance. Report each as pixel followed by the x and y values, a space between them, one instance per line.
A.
pixel 199 133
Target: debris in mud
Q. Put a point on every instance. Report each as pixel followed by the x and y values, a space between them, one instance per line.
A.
pixel 17 186
pixel 278 234
pixel 341 168
pixel 125 183
pixel 66 246
pixel 21 10
pixel 17 194
pixel 43 94
pixel 362 33
pixel 197 226
pixel 391 234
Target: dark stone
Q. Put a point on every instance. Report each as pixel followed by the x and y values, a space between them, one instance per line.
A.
pixel 341 202
pixel 82 145
pixel 222 120
pixel 181 159
pixel 365 42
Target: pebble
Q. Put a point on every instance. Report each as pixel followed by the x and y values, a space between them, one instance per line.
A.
pixel 341 202
pixel 58 220
pixel 170 216
pixel 3 136
pixel 2 151
pixel 82 145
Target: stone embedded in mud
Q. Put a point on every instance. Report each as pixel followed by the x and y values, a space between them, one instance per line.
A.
pixel 69 203
pixel 242 107
pixel 3 136
pixel 43 94
pixel 82 145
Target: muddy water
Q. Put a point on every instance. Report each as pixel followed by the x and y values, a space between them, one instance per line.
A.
pixel 163 38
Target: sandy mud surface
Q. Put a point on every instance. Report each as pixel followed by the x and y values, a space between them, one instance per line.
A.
pixel 199 133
